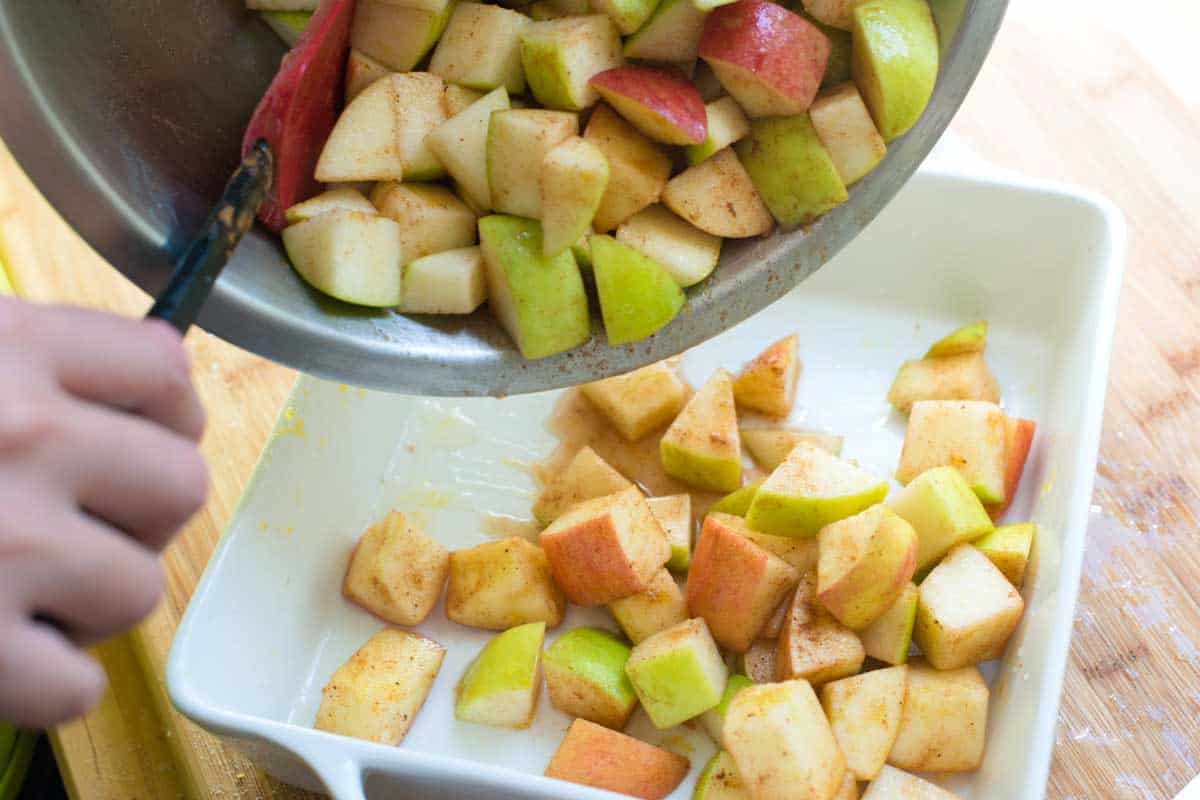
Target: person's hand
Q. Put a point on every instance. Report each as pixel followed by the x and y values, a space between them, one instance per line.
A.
pixel 98 468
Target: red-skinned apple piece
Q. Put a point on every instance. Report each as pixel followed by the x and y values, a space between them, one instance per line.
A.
pixel 661 103
pixel 300 108
pixel 768 58
pixel 1018 438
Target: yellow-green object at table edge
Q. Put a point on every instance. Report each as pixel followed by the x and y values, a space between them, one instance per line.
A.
pixel 12 773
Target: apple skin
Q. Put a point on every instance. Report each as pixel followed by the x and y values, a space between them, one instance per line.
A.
pixel 888 637
pixel 970 338
pixel 678 673
pixel 894 60
pixel 968 435
pixel 501 686
pixel 770 59
pixel 585 676
pixel 299 109
pixel 661 103
pixel 592 755
pixel 1008 547
pixel 943 510
pixel 791 169
pixel 1018 439
pixel 637 294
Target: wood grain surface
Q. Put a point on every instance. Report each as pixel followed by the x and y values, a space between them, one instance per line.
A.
pixel 1065 95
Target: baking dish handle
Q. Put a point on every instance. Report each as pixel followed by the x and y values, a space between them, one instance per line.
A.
pixel 341 775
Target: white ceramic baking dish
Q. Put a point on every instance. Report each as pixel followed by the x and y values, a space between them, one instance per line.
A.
pixel 267 624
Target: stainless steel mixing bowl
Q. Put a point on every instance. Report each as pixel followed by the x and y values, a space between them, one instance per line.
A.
pixel 128 117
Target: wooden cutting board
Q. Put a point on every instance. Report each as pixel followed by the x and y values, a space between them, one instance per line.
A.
pixel 1060 98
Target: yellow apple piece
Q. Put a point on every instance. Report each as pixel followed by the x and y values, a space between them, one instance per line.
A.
pixel 958 377
pixel 734 584
pixel 769 446
pixel 342 197
pixel 887 639
pixel 1008 547
pixel 719 780
pixel 638 168
pixel 970 338
pixel 968 435
pixel 718 197
pixel 592 755
pixel 364 144
pixel 714 719
pixel 814 645
pixel 585 477
pixel 657 607
pixel 458 99
pixel 639 402
pixel 895 784
pixel 377 693
pixel 678 673
pixel 397 36
pixel 865 562
pixel 685 251
pixel 702 447
pixel 481 48
pixel 967 610
pixel 518 141
pixel 674 514
pixel 501 686
pixel 361 72
pixel 781 742
pixel 450 282
pixel 573 177
pixel 432 219
pixel 864 713
pixel 944 512
pixel 460 144
pixel 845 128
pixel 768 383
pixel 397 571
pixel 944 721
pixel 498 585
pixel 352 256
pixel 605 548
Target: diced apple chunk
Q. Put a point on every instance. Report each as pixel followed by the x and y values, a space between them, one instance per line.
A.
pixel 726 125
pixel 944 722
pixel 791 169
pixel 585 676
pixel 738 501
pixel 637 295
pixel 685 251
pixel 627 15
pixel 481 48
pixel 718 197
pixel 586 476
pixel 606 548
pixel 864 713
pixel 768 382
pixel 420 109
pixel 894 61
pixel 674 514
pixel 657 607
pixel 967 610
pixel 961 377
pixel 770 446
pixel 639 402
pixel 968 435
pixel 814 645
pixel 719 780
pixel 518 141
pixel 349 255
pixel 365 143
pixel 760 661
pixel 573 178
pixel 637 168
pixel 560 56
pixel 1008 547
pixel 458 99
pixel 497 585
pixel 361 72
pixel 678 673
pixel 1018 439
pixel 397 571
pixel 714 719
pixel 943 510
pixel 593 755
pixel 431 218
pixel 343 197
pixel 895 784
pixel 734 584
pixel 460 143
pixel 844 126
pixel 671 35
pixel 377 693
pixel 888 637
pixel 396 36
pixel 782 744
pixel 866 561
pixel 971 338
pixel 451 282
pixel 800 552
pixel 660 102
pixel 501 686
pixel 702 448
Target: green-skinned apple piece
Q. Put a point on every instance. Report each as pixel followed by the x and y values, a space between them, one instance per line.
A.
pixel 864 713
pixel 349 255
pixel 738 501
pixel 970 338
pixel 959 377
pixel 450 282
pixel 637 294
pixel 894 60
pixel 639 402
pixel 540 302
pixel 702 447
pixel 500 688
pixel 895 784
pixel 431 218
pixel 288 25
pixel 888 637
pixel 395 36
pixel 460 144
pixel 943 510
pixel 719 780
pixel 8 739
pixel 657 607
pixel 726 125
pixel 770 446
pixel 781 742
pixel 517 143
pixel 674 515
pixel 660 102
pixel 560 56
pixel 833 13
pixel 343 197
pixel 671 35
pixel 809 490
pixel 791 169
pixel 719 197
pixel 1008 547
pixel 969 435
pixel 458 99
pixel 714 719
pixel 767 384
pixel 361 72
pixel 637 168
pixel 967 610
pixel 585 676
pixel 481 48
pixel 586 476
pixel 685 251
pixel 678 673
pixel 574 177
pixel 846 129
pixel 865 562
pixel 365 143
pixel 583 251
pixel 627 15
